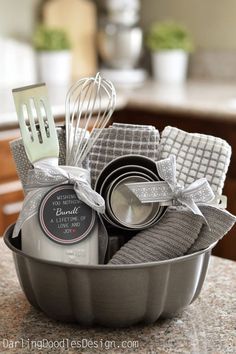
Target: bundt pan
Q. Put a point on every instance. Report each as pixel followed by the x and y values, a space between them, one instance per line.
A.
pixel 110 295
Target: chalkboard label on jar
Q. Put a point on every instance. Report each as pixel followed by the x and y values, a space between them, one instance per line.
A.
pixel 63 217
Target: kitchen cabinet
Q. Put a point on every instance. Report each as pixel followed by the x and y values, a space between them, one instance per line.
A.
pixel 78 18
pixel 224 128
pixel 11 194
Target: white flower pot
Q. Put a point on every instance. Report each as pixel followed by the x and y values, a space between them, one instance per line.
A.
pixel 55 67
pixel 170 66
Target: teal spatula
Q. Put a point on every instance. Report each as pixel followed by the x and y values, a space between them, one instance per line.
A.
pixel 36 122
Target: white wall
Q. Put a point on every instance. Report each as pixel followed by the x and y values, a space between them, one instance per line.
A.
pixel 17 18
pixel 211 22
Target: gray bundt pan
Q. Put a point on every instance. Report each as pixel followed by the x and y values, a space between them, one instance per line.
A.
pixel 110 295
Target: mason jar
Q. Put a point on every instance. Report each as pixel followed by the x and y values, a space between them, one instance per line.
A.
pixel 65 229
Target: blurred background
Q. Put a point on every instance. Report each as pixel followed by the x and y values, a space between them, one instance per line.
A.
pixel 172 63
pixel 92 26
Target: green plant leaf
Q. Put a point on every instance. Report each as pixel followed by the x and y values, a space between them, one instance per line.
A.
pixel 50 39
pixel 168 35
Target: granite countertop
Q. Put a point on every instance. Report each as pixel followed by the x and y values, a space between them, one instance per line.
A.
pixel 213 99
pixel 206 326
pixel 203 98
pixel 57 96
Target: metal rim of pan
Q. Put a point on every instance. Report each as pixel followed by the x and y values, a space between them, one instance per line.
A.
pixel 126 160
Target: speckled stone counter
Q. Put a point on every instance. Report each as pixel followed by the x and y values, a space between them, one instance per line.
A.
pixel 214 99
pixel 206 326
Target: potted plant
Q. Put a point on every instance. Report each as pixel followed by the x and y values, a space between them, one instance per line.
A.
pixel 170 44
pixel 54 55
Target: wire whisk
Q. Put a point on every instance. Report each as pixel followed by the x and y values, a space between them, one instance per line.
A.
pixel 89 105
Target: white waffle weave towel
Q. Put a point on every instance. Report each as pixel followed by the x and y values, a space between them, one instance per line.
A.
pixel 197 156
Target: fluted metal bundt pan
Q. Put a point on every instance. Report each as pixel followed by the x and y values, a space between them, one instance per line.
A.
pixel 110 295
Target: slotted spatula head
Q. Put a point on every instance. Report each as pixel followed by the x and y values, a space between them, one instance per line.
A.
pixel 36 122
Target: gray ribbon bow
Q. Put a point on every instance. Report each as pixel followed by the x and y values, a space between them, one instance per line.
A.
pixel 163 191
pixel 45 176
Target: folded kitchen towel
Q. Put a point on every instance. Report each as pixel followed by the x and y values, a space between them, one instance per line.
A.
pixel 197 156
pixel 219 221
pixel 179 232
pixel 22 162
pixel 123 139
pixel 171 237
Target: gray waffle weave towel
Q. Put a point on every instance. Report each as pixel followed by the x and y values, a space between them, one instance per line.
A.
pixel 171 237
pixel 220 222
pixel 178 233
pixel 22 162
pixel 197 156
pixel 123 139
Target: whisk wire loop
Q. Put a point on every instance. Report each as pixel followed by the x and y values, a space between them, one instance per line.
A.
pixel 89 105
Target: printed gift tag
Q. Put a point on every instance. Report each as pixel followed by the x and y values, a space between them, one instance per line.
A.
pixel 63 217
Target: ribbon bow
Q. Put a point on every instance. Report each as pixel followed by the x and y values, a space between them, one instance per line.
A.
pixel 47 175
pixel 43 177
pixel 170 190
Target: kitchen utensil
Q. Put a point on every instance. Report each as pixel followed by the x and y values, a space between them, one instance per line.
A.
pixel 126 11
pixel 112 186
pixel 106 193
pixel 58 239
pixel 121 170
pixel 90 103
pixel 124 162
pixel 112 176
pixel 128 209
pixel 36 122
pixel 122 295
pixel 120 45
pixel 112 173
pixel 120 215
